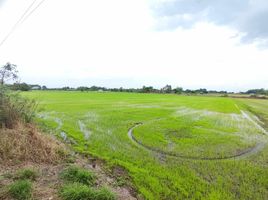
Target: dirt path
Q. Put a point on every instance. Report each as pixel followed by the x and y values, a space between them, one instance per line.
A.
pixel 244 154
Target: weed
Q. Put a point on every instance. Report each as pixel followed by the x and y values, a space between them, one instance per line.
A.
pixel 21 190
pixel 78 191
pixel 79 175
pixel 27 174
pixel 104 194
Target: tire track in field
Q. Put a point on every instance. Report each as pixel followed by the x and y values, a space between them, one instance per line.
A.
pixel 243 154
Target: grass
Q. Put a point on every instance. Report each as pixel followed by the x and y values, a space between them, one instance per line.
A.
pixel 78 175
pixel 27 174
pixel 21 190
pixel 26 143
pixel 78 191
pixel 189 125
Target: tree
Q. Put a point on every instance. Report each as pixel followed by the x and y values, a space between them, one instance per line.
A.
pixel 147 89
pixel 167 89
pixel 8 72
pixel 66 88
pixel 21 86
pixel 44 87
pixel 178 90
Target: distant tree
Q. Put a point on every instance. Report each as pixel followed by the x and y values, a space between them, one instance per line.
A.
pixel 201 91
pixel 178 90
pixel 44 87
pixel 147 89
pixel 8 72
pixel 223 92
pixel 82 88
pixel 66 88
pixel 261 91
pixel 188 91
pixel 21 86
pixel 167 89
pixel 35 87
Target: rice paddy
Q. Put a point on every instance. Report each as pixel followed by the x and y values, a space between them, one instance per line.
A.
pixel 173 147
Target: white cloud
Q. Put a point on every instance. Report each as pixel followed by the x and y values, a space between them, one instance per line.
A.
pixel 112 43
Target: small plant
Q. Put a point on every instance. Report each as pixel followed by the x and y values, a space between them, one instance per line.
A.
pixel 8 175
pixel 24 174
pixel 76 191
pixel 21 190
pixel 121 181
pixel 104 194
pixel 79 175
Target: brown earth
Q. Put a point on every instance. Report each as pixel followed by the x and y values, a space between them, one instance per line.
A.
pixel 26 147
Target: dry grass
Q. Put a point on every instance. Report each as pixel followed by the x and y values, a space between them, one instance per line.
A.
pixel 25 143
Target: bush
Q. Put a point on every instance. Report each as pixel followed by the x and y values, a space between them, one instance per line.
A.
pixel 21 190
pixel 14 107
pixel 78 191
pixel 26 174
pixel 75 174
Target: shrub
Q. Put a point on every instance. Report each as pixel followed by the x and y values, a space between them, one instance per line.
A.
pixel 14 107
pixel 21 190
pixel 79 175
pixel 25 174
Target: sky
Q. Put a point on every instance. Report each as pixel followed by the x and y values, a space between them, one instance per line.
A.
pixel 213 44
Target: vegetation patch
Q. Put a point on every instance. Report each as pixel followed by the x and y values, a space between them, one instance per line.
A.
pixel 27 174
pixel 199 126
pixel 26 143
pixel 78 191
pixel 21 190
pixel 76 174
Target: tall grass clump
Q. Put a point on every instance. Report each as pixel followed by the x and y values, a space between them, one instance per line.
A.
pixel 78 191
pixel 104 194
pixel 27 174
pixel 21 190
pixel 13 107
pixel 76 174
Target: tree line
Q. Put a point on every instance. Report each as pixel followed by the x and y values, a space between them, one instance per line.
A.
pixel 9 72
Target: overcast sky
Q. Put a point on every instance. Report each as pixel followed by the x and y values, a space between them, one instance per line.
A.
pixel 217 44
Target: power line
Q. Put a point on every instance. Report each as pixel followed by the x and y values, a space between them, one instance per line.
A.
pixel 37 6
pixel 22 19
pixel 18 22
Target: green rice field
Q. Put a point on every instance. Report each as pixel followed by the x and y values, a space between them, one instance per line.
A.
pixel 172 146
